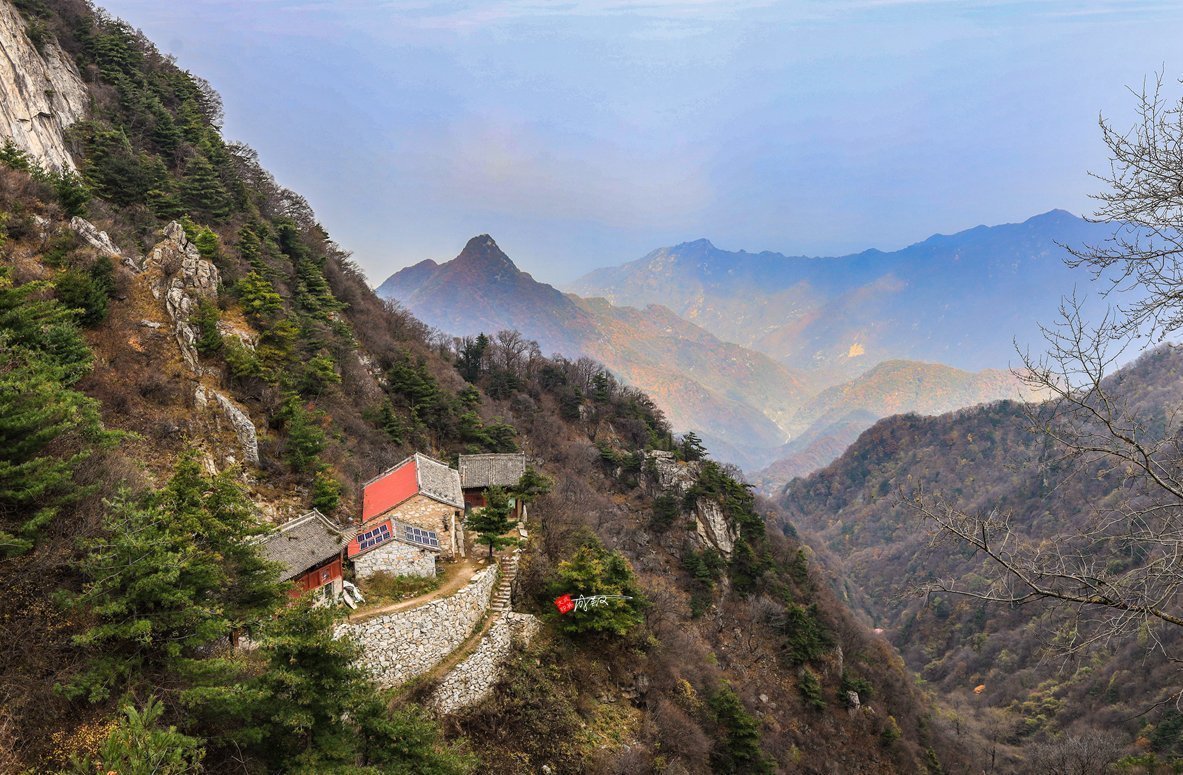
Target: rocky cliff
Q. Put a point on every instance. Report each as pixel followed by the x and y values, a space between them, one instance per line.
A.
pixel 41 92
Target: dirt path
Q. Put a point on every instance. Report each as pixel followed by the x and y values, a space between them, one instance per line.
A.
pixel 468 568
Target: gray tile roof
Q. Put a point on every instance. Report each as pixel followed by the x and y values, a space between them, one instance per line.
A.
pixel 304 542
pixel 438 481
pixel 503 470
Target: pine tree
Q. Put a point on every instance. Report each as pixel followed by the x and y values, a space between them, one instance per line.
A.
pixel 493 521
pixel 532 486
pixel 173 573
pixel 310 685
pixel 79 291
pixel 594 570
pixel 737 750
pixel 692 447
pixel 250 248
pixel 258 297
pixel 202 191
pixel 305 438
pixel 47 431
pixel 140 745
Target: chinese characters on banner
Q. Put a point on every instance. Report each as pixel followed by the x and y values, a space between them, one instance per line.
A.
pixel 584 602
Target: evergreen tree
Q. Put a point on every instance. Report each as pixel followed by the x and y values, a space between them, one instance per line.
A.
pixel 471 357
pixel 250 248
pixel 691 447
pixel 140 745
pixel 305 438
pixel 737 751
pixel 326 491
pixel 310 684
pixel 44 328
pixel 114 170
pixel 311 709
pixel 79 291
pixel 174 573
pixel 202 191
pixel 209 338
pixel 594 570
pixel 258 297
pixel 532 486
pixel 493 521
pixel 47 431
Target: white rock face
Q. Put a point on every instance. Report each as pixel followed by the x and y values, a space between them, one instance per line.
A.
pixel 244 429
pixel 397 647
pixel 187 278
pixel 41 93
pixel 473 679
pixel 712 527
pixel 95 238
pixel 673 477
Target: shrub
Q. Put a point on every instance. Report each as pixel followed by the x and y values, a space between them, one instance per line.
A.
pixel 811 689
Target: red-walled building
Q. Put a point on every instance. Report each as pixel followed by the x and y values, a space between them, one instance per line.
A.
pixel 411 513
pixel 310 549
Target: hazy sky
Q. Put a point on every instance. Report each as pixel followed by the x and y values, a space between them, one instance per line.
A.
pixel 582 133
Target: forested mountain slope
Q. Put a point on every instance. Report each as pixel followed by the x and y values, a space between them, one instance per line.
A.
pixel 197 361
pixel 1001 665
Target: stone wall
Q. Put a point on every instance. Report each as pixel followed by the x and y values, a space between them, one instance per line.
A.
pixel 473 679
pixel 397 647
pixel 397 559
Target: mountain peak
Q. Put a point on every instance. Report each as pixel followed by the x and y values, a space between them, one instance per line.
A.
pixel 699 244
pixel 483 251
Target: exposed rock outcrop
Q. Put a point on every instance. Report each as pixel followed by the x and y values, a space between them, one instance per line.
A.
pixel 186 279
pixel 96 238
pixel 41 93
pixel 712 526
pixel 244 429
pixel 672 477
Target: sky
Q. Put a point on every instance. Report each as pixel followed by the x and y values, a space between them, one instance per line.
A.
pixel 585 133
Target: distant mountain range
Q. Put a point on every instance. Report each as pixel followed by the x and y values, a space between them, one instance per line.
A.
pixel 961 300
pixel 830 421
pixel 731 394
pixel 751 408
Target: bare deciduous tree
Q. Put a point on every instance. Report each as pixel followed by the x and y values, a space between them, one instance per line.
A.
pixel 1119 568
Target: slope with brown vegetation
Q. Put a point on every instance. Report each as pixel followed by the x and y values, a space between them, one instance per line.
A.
pixel 728 665
pixel 1003 668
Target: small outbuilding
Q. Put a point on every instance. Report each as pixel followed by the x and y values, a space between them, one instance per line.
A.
pixel 309 548
pixel 479 472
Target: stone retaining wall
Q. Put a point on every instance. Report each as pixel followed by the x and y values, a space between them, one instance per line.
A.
pixel 398 646
pixel 471 681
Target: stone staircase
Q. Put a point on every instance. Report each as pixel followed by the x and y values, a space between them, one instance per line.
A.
pixel 504 590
